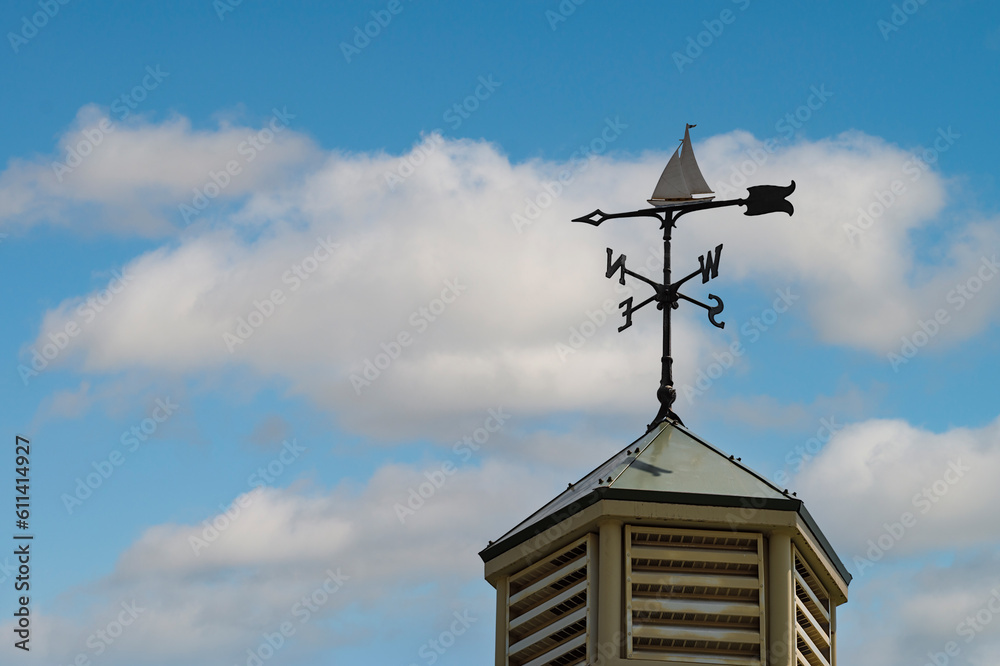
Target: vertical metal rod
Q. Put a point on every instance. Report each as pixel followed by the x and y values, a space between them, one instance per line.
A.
pixel 667 375
pixel 666 393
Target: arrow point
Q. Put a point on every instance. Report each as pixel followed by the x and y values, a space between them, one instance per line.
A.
pixel 594 218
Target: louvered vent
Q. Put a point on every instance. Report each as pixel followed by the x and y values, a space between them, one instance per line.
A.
pixel 812 616
pixel 549 608
pixel 694 596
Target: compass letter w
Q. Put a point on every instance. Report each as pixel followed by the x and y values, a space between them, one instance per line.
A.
pixel 619 267
pixel 709 265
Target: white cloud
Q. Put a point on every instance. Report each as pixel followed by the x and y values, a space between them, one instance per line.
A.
pixel 136 174
pixel 925 614
pixel 446 234
pixel 872 475
pixel 912 515
pixel 283 544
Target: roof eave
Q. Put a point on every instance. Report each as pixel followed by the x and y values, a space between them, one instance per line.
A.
pixel 666 497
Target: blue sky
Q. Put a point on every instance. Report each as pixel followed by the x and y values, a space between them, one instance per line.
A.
pixel 269 204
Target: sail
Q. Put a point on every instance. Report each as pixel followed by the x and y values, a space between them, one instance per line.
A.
pixel 672 184
pixel 689 166
pixel 681 178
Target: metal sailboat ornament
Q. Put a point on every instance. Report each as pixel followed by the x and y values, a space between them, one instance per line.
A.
pixel 682 189
pixel 681 179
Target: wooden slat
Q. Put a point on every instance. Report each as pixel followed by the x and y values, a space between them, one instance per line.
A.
pixel 695 633
pixel 798 559
pixel 531 571
pixel 811 595
pixel 681 658
pixel 548 605
pixel 819 660
pixel 653 605
pixel 646 552
pixel 555 627
pixel 814 625
pixel 559 651
pixel 637 530
pixel 542 583
pixel 695 580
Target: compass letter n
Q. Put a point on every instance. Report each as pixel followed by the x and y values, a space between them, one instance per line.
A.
pixel 709 264
pixel 619 267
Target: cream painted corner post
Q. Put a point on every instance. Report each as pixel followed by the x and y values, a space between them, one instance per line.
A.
pixel 609 643
pixel 502 620
pixel 781 622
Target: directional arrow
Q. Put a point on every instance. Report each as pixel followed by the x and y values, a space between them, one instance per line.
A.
pixel 760 200
pixel 599 216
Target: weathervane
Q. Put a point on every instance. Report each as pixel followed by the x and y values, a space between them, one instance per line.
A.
pixel 673 197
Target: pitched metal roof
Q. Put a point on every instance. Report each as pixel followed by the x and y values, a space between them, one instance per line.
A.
pixel 668 464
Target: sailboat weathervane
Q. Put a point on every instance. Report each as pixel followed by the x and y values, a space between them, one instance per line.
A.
pixel 674 196
pixel 681 178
